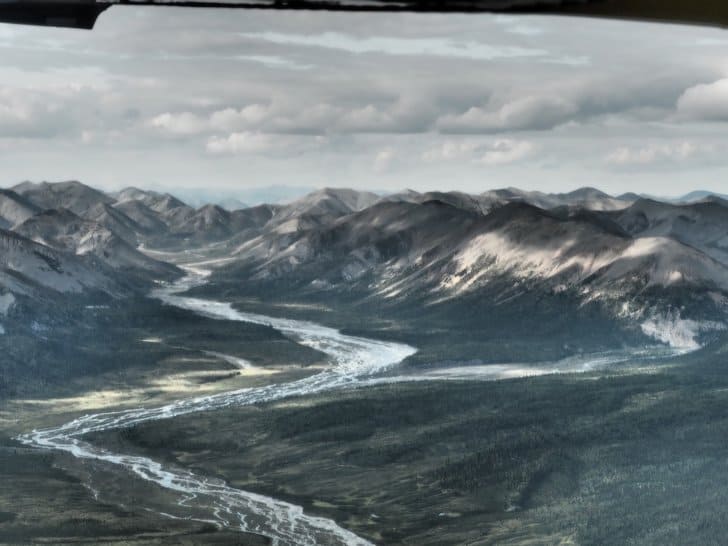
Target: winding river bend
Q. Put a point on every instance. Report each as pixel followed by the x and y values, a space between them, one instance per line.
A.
pixel 355 361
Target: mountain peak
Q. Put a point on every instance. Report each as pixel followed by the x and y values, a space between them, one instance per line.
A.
pixel 586 192
pixel 71 194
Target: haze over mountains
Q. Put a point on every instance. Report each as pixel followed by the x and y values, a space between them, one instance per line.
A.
pixel 650 267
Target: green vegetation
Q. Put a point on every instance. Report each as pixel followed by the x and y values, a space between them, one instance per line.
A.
pixel 532 327
pixel 638 457
pixel 45 358
pixel 41 502
pixel 127 349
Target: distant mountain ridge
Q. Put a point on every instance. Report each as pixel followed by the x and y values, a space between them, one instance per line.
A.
pixel 436 252
pixel 630 258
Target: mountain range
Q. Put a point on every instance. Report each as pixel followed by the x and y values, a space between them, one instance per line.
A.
pixel 649 267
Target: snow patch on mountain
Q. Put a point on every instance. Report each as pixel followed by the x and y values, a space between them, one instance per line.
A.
pixel 496 252
pixel 673 330
pixel 6 303
pixel 659 261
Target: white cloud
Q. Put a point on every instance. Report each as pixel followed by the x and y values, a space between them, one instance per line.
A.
pixel 297 118
pixel 518 25
pixel 257 143
pixel 241 143
pixel 312 118
pixel 368 118
pixel 383 160
pixel 180 123
pixel 495 152
pixel 502 152
pixel 228 119
pixel 274 61
pixel 452 149
pixel 231 119
pixel 707 102
pixel 390 45
pixel 33 113
pixel 533 112
pixel 180 86
pixel 656 153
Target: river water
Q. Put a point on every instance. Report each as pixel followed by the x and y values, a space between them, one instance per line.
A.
pixel 354 361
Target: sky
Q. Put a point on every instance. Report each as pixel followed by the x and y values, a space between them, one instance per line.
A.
pixel 171 98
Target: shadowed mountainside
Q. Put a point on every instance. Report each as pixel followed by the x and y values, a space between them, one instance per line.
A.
pixel 640 268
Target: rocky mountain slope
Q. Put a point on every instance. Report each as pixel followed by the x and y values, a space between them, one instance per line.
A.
pixel 15 209
pixel 583 198
pixel 702 225
pixel 71 195
pixel 62 229
pixel 437 254
pixel 30 268
pixel 633 262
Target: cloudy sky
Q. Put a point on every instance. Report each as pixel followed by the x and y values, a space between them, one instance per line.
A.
pixel 162 97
